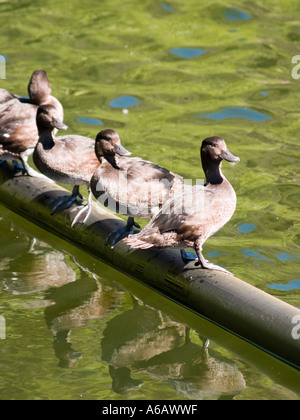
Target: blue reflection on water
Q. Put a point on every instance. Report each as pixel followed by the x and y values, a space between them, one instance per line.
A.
pixel 124 101
pixel 92 121
pixel 293 284
pixel 246 227
pixel 264 93
pixel 168 8
pixel 236 14
pixel 254 254
pixel 236 112
pixel 187 52
pixel 283 256
pixel 215 253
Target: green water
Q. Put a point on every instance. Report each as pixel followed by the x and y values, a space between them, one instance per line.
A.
pixel 77 329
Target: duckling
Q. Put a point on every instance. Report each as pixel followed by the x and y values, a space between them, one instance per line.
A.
pixel 69 159
pixel 18 130
pixel 194 214
pixel 129 185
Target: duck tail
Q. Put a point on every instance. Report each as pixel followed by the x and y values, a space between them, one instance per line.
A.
pixel 134 242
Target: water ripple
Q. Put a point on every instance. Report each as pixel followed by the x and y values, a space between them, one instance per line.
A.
pixel 92 121
pixel 124 101
pixel 236 112
pixel 246 227
pixel 187 53
pixel 168 8
pixel 292 285
pixel 236 14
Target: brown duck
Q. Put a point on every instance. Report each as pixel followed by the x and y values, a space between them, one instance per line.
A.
pixel 129 185
pixel 18 130
pixel 69 159
pixel 195 213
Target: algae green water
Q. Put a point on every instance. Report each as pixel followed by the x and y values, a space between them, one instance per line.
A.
pixel 165 75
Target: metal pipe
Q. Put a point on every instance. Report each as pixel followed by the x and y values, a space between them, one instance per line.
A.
pixel 250 313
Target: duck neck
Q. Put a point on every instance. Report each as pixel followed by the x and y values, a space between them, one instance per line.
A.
pixel 110 159
pixel 46 137
pixel 213 174
pixel 40 100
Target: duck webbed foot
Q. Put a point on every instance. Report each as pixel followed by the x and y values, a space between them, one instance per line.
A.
pixel 122 233
pixel 212 266
pixel 33 173
pixel 27 169
pixel 65 202
pixel 208 265
pixel 85 210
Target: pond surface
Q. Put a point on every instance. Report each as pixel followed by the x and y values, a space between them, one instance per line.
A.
pixel 165 76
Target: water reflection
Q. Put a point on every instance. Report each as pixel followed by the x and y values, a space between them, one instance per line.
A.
pixel 28 265
pixel 125 101
pixel 142 339
pixel 246 227
pixel 157 345
pixel 236 112
pixel 236 14
pixel 92 121
pixel 73 305
pixel 167 8
pixel 254 254
pixel 292 285
pixel 187 53
pixel 140 344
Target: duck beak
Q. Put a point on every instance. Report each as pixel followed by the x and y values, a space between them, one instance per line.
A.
pixel 57 123
pixel 226 155
pixel 120 150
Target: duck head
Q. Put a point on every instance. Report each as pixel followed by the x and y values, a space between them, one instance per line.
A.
pixel 108 144
pixel 47 119
pixel 39 88
pixel 213 151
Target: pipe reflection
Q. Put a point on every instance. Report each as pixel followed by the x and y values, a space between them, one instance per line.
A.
pixel 140 340
pixel 73 305
pixel 153 343
pixel 28 265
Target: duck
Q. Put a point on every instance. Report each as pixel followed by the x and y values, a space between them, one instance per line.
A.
pixel 68 159
pixel 6 96
pixel 195 213
pixel 18 130
pixel 129 185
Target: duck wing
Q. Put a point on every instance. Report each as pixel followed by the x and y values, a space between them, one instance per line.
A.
pixel 148 184
pixel 183 205
pixel 76 154
pixel 144 171
pixel 18 129
pixel 75 143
